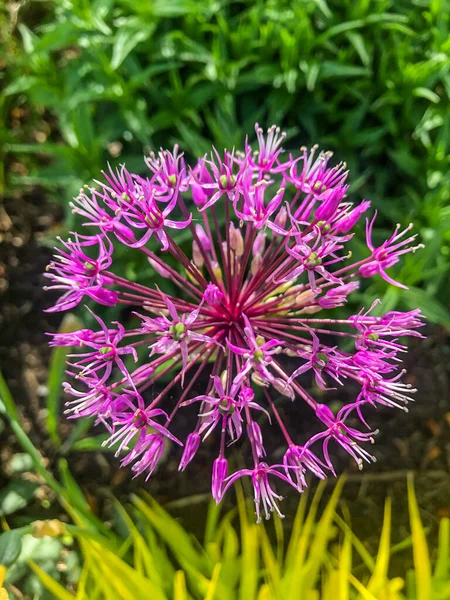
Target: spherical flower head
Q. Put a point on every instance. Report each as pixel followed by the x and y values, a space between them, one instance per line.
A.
pixel 239 320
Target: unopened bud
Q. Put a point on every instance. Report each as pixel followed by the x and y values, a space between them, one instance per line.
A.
pixel 305 298
pixel 311 310
pixel 281 218
pixel 254 433
pixel 212 295
pixel 219 473
pixel 236 240
pixel 217 271
pixel 338 296
pixel 123 233
pixel 197 255
pixel 199 195
pixel 190 449
pixel 255 264
pixel 158 267
pixel 203 239
pixel 289 352
pixel 258 380
pixel 283 388
pixel 224 378
pixel 284 287
pixel 190 275
pixel 259 244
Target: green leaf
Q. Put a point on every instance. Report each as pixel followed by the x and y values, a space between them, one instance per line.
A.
pixel 430 306
pixel 174 8
pixel 51 584
pixel 89 444
pixel 21 463
pixel 28 37
pixel 330 69
pixel 61 35
pixel 10 547
pixel 16 495
pixel 420 547
pixel 442 567
pixel 54 386
pixel 20 85
pixel 422 92
pixel 127 38
pixel 357 41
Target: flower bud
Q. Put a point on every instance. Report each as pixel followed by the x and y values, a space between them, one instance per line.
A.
pixel 190 448
pixel 281 218
pixel 254 433
pixel 236 240
pixel 197 256
pixel 158 267
pixel 330 203
pixel 199 195
pixel 258 380
pixel 325 415
pixel 217 271
pixel 102 296
pixel 347 222
pixel 246 395
pixel 256 262
pixel 283 388
pixel 219 473
pixel 74 338
pixel 203 239
pixel 259 244
pixel 305 298
pixel 123 233
pixel 337 296
pixel 311 310
pixel 213 295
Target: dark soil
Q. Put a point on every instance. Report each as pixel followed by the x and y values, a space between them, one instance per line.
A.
pixel 418 441
pixel 24 221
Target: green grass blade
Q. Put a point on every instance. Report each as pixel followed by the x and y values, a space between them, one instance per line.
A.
pixel 12 415
pixel 379 579
pixel 442 567
pixel 249 573
pixel 180 542
pixel 179 586
pixel 54 386
pixel 53 586
pixel 345 567
pixel 420 548
pixel 310 571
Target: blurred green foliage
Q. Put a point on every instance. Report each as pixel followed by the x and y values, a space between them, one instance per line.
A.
pixel 106 79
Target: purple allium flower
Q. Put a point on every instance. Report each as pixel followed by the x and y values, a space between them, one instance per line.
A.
pixel 80 275
pixel 268 234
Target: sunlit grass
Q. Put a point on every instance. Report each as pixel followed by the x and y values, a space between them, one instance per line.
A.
pixel 154 557
pixel 158 559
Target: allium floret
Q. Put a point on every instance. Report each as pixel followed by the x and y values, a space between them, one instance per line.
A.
pixel 269 235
